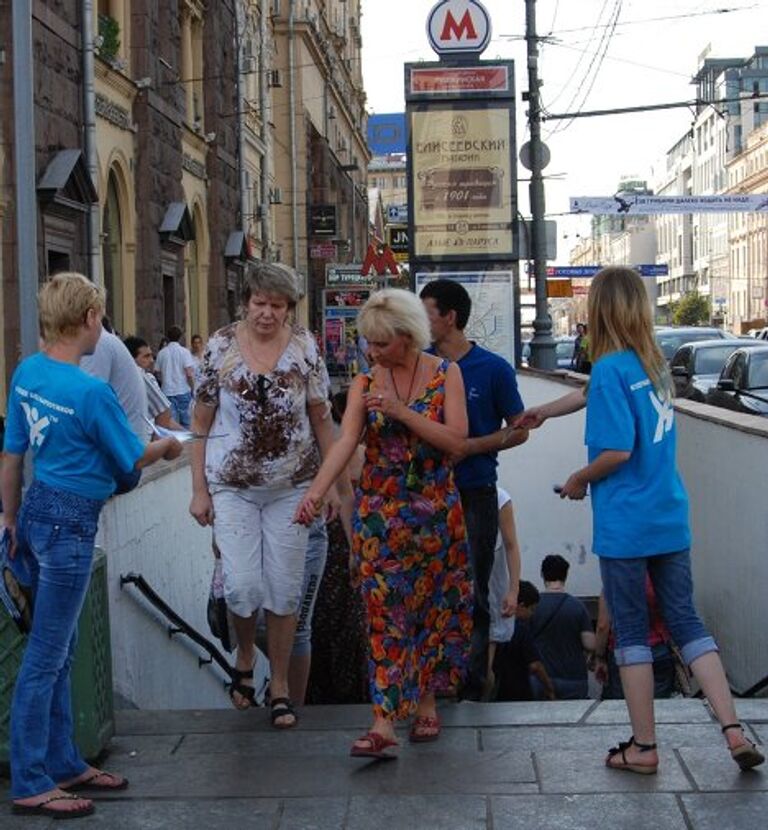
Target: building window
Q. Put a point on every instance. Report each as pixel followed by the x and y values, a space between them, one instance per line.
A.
pixel 112 255
pixel 191 25
pixel 113 30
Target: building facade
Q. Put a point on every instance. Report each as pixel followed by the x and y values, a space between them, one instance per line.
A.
pixel 136 160
pixel 747 297
pixel 318 116
pixel 176 141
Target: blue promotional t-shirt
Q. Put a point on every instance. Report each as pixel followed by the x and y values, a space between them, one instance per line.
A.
pixel 78 433
pixel 490 385
pixel 642 508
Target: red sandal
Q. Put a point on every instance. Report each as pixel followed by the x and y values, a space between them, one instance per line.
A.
pixel 377 746
pixel 424 729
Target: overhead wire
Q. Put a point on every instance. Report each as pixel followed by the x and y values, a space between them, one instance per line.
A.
pixel 596 62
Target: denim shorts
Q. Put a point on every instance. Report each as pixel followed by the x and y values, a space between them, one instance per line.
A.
pixel 624 586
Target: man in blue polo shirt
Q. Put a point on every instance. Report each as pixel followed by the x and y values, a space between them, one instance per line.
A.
pixel 492 399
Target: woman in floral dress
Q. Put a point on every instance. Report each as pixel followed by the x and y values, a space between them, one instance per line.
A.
pixel 409 537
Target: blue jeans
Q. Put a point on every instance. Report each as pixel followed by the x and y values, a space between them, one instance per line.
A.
pixel 624 586
pixel 317 552
pixel 56 530
pixel 180 409
pixel 481 514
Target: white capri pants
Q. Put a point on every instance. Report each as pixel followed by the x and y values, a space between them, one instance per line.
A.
pixel 262 550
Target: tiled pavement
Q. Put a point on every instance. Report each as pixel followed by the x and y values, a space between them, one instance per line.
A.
pixel 496 767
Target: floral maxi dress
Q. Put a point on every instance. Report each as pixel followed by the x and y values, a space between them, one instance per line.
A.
pixel 410 542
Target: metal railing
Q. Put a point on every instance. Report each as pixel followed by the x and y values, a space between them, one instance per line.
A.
pixel 178 624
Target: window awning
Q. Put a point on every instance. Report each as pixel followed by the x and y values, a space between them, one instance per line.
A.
pixel 177 227
pixel 237 248
pixel 66 183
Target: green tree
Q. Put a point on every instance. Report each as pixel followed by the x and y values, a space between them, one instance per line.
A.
pixel 691 309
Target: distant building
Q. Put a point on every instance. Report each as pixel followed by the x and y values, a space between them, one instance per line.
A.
pixel 747 297
pixel 674 238
pixel 710 253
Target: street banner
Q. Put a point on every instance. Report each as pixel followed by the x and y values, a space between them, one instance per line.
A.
pixel 491 323
pixel 462 183
pixel 637 205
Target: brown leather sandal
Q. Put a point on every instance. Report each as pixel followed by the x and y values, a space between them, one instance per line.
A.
pixel 747 755
pixel 102 781
pixel 43 808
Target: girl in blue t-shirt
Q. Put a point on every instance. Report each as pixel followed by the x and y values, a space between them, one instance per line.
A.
pixel 640 511
pixel 80 442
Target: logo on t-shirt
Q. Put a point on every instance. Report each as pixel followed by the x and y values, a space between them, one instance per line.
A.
pixel 37 424
pixel 666 413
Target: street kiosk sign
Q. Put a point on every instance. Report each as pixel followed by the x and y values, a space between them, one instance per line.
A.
pixel 462 174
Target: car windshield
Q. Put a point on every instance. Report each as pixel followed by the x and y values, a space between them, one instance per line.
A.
pixel 758 371
pixel 711 361
pixel 564 348
pixel 670 340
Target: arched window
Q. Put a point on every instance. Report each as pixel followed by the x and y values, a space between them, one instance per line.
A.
pixel 112 255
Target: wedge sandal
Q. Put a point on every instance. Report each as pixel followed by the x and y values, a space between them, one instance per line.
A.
pixel 747 755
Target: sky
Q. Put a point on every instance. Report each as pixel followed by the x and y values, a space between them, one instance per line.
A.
pixel 587 63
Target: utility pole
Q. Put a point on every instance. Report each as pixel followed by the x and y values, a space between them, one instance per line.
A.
pixel 542 344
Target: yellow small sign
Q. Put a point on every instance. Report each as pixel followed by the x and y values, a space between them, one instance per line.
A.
pixel 559 289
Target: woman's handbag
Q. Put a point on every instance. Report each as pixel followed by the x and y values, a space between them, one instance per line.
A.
pixel 15 584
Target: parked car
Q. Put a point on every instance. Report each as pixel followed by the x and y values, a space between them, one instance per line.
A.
pixel 563 352
pixel 670 338
pixel 743 383
pixel 696 366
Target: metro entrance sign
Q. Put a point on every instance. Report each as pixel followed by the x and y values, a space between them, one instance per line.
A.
pixel 459 27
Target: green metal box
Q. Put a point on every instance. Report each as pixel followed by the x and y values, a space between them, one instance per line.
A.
pixel 92 702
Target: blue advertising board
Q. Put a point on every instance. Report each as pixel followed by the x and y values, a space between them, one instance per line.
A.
pixel 591 270
pixel 386 133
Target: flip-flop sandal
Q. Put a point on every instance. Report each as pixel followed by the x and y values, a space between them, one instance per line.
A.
pixel 747 756
pixel 424 729
pixel 92 783
pixel 377 746
pixel 614 762
pixel 282 707
pixel 42 809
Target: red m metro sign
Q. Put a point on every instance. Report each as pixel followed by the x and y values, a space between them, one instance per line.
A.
pixel 459 27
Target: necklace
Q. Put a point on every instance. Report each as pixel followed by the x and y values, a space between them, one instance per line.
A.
pixel 407 398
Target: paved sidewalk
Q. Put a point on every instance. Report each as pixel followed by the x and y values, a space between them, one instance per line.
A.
pixel 496 767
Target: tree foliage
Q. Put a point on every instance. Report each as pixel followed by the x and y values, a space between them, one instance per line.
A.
pixel 691 309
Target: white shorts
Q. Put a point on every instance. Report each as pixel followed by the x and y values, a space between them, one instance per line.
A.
pixel 262 550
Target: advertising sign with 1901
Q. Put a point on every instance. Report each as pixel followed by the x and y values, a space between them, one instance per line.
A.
pixel 463 202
